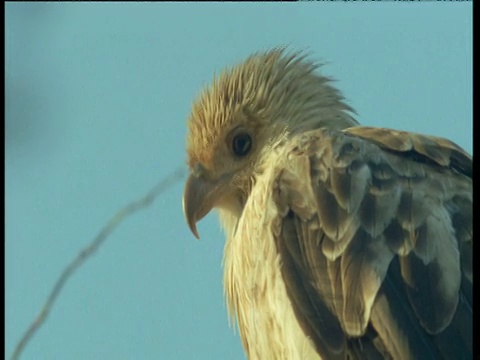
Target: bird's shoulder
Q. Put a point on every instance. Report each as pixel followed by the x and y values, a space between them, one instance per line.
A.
pixel 353 202
pixel 363 142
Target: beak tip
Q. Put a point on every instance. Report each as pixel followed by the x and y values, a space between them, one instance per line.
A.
pixel 193 228
pixel 195 233
pixel 192 225
pixel 198 197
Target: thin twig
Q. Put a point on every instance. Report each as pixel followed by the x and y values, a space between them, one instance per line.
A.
pixel 88 251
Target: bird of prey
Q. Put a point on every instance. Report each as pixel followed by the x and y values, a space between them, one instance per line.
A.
pixel 343 241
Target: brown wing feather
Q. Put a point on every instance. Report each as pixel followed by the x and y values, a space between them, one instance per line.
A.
pixel 439 150
pixel 360 201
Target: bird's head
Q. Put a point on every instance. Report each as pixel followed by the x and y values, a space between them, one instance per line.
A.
pixel 235 121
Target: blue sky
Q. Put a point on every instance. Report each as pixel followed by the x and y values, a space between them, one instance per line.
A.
pixel 97 97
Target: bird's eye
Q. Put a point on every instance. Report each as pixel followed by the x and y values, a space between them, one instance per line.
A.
pixel 242 143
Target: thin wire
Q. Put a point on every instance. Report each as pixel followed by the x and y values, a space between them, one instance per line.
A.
pixel 88 251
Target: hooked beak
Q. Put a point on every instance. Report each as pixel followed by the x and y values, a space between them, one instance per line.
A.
pixel 200 196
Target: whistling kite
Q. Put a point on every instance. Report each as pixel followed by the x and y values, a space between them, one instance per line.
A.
pixel 343 241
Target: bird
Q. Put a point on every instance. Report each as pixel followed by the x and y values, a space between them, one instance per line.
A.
pixel 343 241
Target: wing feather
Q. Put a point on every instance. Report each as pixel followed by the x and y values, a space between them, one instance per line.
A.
pixel 310 309
pixel 358 201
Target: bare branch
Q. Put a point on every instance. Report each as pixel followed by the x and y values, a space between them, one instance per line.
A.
pixel 88 251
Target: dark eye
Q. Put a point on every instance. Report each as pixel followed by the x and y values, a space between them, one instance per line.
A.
pixel 242 143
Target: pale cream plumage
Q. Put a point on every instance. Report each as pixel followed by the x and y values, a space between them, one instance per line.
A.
pixel 342 241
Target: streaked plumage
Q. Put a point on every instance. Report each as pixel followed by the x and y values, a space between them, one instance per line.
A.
pixel 343 241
